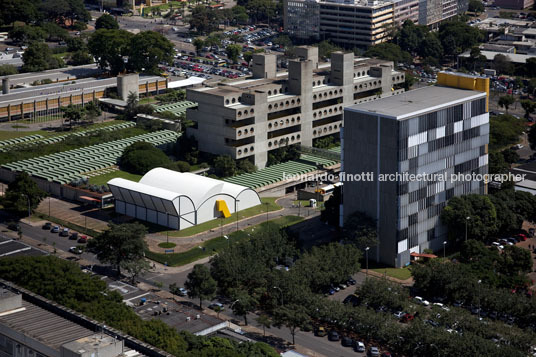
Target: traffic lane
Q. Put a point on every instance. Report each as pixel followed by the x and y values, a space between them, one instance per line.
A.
pixel 54 239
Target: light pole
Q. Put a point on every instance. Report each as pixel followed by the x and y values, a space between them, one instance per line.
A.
pixel 227 238
pixel 366 255
pixel 444 245
pixel 466 220
pixel 234 302
pixel 479 282
pixel 281 291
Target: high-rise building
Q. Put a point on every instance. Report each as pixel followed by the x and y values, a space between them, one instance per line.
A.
pixel 433 12
pixel 415 145
pixel 406 10
pixel 348 23
pixel 248 118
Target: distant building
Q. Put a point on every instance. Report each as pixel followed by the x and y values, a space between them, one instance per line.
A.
pixel 349 23
pixel 433 12
pixel 436 131
pixel 406 10
pixel 514 4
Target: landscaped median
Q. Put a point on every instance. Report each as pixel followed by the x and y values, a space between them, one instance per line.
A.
pixel 268 203
pixel 215 245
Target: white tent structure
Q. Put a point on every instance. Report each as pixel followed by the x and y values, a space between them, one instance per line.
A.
pixel 179 200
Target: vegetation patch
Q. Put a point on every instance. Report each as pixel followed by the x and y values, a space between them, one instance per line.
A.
pixel 167 245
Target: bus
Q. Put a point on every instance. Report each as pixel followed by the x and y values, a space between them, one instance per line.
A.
pixel 329 188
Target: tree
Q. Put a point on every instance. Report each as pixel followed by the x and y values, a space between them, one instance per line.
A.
pixel 54 32
pixel 136 268
pixel 141 157
pixel 224 166
pixel 244 303
pixel 203 19
pixel 505 130
pixel 109 47
pixel 409 81
pixel 265 322
pixel 233 51
pixel 457 36
pixel 431 46
pixel 8 69
pixel 198 44
pixel 246 166
pixel 65 11
pixel 147 50
pixel 106 21
pixel 503 64
pixel 483 217
pixel 325 48
pixel 390 52
pixel 92 110
pixel 292 316
pixel 261 10
pixel 80 58
pixel 528 106
pixel 18 10
pixel 73 113
pixel 530 67
pixel 20 193
pixel 532 137
pixel 331 211
pixel 120 244
pixel 497 165
pixel 38 57
pixel 476 6
pixel 200 284
pixel 506 101
pixel 26 34
pixel 360 230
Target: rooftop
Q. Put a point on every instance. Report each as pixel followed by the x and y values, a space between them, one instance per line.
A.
pixel 415 102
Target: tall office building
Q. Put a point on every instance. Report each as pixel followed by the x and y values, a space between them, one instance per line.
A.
pixel 248 118
pixel 433 12
pixel 348 23
pixel 436 131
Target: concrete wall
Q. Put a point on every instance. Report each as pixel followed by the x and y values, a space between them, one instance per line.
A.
pixel 128 83
pixel 263 65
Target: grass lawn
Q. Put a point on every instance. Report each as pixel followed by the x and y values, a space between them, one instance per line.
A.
pixel 215 245
pixel 103 179
pixel 5 135
pixel 397 273
pixel 148 100
pixel 253 211
pixel 166 245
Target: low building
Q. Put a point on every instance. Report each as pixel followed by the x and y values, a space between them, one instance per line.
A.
pixel 528 173
pixel 179 200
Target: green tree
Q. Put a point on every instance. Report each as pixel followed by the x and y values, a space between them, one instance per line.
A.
pixel 136 268
pixel 409 81
pixel 109 47
pixel 506 101
pixel 18 10
pixel 203 19
pixel 243 304
pixel 20 193
pixel 106 21
pixel 198 44
pixel 233 51
pixel 476 6
pixel 246 166
pixel 265 322
pixel 532 137
pixel 141 157
pixel 120 244
pixel 457 36
pixel 80 58
pixel 515 260
pixel 325 48
pixel 505 130
pixel 497 164
pixel 292 316
pixel 530 67
pixel 360 230
pixel 261 10
pixel 390 52
pixel 431 46
pixel 200 284
pixel 503 64
pixel 331 211
pixel 224 166
pixel 482 222
pixel 528 106
pixel 26 34
pixel 65 11
pixel 73 113
pixel 54 32
pixel 38 57
pixel 410 37
pixel 147 50
pixel 8 69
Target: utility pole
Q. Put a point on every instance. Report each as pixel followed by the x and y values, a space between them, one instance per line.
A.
pixel 366 254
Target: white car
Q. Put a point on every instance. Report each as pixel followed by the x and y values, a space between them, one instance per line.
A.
pixel 399 314
pixel 359 346
pixel 75 250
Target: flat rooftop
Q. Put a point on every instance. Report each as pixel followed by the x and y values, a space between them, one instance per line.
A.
pixel 416 102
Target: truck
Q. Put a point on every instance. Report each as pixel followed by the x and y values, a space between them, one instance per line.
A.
pixel 490 72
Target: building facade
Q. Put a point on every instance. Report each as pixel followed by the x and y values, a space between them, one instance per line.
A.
pixel 433 12
pixel 415 145
pixel 406 10
pixel 249 118
pixel 514 4
pixel 347 23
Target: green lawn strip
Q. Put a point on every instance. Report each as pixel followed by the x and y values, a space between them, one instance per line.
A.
pixel 215 223
pixel 5 134
pixel 167 245
pixel 103 179
pixel 61 222
pixel 215 245
pixel 397 273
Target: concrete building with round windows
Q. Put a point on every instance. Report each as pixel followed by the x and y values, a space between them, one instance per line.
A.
pixel 179 200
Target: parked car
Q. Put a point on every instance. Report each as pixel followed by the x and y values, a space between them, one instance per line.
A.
pixel 82 239
pixel 399 314
pixel 215 305
pixel 373 352
pixel 47 226
pixel 351 281
pixel 407 318
pixel 64 232
pixel 55 229
pixel 333 336
pixel 14 226
pixel 386 354
pixel 74 236
pixel 359 346
pixel 320 332
pixel 75 250
pixel 347 341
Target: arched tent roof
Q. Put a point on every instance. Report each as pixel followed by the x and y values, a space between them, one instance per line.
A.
pixel 197 188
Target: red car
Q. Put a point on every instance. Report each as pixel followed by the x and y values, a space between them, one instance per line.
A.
pixel 407 318
pixel 522 236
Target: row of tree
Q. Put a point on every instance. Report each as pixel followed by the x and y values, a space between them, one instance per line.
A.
pixel 63 12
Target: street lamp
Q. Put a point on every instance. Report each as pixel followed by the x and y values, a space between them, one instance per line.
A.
pixel 234 302
pixel 227 238
pixel 281 291
pixel 479 282
pixel 466 220
pixel 444 245
pixel 366 254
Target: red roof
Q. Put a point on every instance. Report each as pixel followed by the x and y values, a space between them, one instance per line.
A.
pixel 422 255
